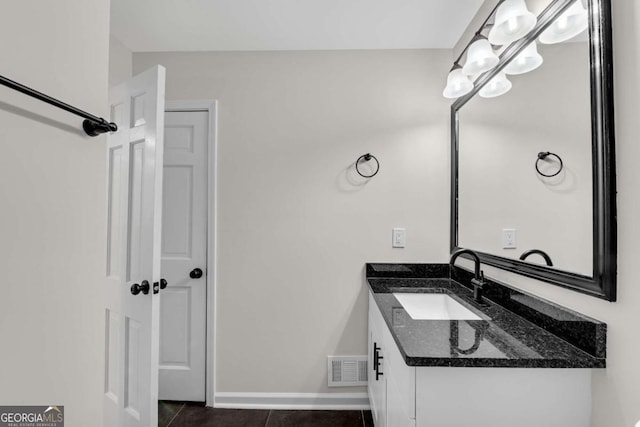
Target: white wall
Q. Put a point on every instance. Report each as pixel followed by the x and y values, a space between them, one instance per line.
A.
pixel 52 219
pixel 616 390
pixel 294 232
pixel 120 62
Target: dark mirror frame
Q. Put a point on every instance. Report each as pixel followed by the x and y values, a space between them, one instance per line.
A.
pixel 602 283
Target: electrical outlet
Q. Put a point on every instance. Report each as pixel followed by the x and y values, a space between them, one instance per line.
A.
pixel 399 238
pixel 397 316
pixel 508 238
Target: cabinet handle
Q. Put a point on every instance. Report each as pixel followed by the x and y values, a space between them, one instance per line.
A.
pixel 375 356
pixel 376 361
pixel 378 373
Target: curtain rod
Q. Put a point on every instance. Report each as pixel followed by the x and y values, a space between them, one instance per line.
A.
pixel 92 125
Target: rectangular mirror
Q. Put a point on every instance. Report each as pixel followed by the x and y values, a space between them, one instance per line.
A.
pixel 533 170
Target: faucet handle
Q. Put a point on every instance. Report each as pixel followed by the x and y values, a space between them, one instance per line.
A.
pixel 478 285
pixel 480 282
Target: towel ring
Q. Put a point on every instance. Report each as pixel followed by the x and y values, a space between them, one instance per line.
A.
pixel 542 156
pixel 366 158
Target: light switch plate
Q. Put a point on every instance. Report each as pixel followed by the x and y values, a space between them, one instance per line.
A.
pixel 399 238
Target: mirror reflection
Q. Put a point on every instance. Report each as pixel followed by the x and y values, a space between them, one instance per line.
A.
pixel 525 154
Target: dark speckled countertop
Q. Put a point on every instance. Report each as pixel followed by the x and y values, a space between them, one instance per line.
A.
pixel 502 339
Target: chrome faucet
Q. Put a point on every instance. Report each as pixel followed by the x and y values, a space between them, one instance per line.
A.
pixel 478 280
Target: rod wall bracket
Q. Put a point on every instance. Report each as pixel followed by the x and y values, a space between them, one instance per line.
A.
pixel 95 128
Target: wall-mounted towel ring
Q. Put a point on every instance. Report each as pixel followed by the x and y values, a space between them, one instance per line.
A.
pixel 542 156
pixel 366 158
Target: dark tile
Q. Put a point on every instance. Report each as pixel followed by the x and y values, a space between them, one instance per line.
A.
pixel 315 419
pixel 166 411
pixel 198 416
pixel 368 419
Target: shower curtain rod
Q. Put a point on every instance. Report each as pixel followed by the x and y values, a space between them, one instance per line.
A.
pixel 92 125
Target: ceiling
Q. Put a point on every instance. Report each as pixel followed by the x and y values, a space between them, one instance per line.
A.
pixel 196 25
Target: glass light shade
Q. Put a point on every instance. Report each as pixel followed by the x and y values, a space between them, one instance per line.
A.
pixel 569 24
pixel 513 21
pixel 458 84
pixel 480 57
pixel 499 85
pixel 527 60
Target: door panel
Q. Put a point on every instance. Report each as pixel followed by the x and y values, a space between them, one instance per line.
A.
pixel 133 366
pixel 115 223
pixel 177 211
pixel 134 246
pixel 179 137
pixel 111 355
pixel 134 210
pixel 175 322
pixel 184 239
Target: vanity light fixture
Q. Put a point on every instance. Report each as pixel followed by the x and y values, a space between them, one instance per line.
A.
pixel 513 21
pixel 569 24
pixel 458 83
pixel 527 60
pixel 480 57
pixel 499 85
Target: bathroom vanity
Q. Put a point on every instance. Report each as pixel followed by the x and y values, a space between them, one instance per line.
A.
pixel 438 358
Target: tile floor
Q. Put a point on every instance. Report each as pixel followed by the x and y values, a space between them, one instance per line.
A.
pixel 179 414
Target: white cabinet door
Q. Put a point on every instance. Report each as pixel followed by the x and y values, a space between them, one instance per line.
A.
pixel 134 208
pixel 377 383
pixel 397 399
pixel 399 378
pixel 401 386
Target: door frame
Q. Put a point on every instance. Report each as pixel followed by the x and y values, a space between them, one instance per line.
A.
pixel 211 107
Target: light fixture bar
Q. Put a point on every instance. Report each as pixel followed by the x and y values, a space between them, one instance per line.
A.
pixel 479 32
pixel 510 52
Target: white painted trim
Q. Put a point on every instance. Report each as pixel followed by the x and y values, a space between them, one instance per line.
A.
pixel 307 401
pixel 212 223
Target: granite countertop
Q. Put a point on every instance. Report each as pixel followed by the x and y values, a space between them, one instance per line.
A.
pixel 544 336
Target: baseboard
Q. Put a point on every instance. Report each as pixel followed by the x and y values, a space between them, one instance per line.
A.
pixel 308 401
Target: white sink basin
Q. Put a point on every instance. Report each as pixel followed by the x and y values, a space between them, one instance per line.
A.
pixel 434 307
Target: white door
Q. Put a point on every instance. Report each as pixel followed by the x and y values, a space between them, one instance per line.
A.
pixel 184 255
pixel 134 156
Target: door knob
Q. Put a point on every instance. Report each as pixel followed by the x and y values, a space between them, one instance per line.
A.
pixel 159 285
pixel 143 287
pixel 196 273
